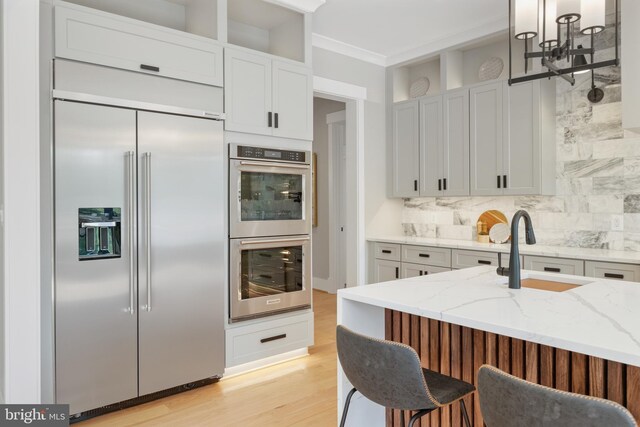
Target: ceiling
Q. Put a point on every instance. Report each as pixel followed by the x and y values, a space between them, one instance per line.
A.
pixel 396 30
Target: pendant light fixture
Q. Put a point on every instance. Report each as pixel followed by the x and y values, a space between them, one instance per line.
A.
pixel 551 27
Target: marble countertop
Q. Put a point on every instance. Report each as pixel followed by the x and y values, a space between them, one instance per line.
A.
pixel 601 318
pixel 538 250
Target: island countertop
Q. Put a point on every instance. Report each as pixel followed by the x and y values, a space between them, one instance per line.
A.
pixel 600 319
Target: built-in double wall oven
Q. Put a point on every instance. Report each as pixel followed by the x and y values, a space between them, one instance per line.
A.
pixel 269 225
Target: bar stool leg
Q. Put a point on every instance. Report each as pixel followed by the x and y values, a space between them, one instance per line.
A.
pixel 346 407
pixel 418 415
pixel 463 408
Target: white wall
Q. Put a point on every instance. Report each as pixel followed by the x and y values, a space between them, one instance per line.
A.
pixel 21 174
pixel 321 233
pixel 381 213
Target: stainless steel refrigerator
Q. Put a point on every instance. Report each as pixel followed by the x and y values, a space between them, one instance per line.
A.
pixel 139 253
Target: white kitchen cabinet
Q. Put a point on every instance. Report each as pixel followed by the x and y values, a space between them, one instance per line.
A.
pixel 440 257
pixel 554 265
pixel 292 101
pixel 486 139
pixel 416 270
pixel 431 146
pixel 385 270
pixel 406 149
pixel 513 139
pixel 267 97
pixel 467 259
pixel 630 68
pixel 254 341
pixel 610 270
pixel 389 251
pixel 89 35
pixel 456 143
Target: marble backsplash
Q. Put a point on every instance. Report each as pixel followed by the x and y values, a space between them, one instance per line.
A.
pixel 597 201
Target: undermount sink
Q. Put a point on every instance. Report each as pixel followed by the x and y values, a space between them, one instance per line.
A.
pixel 549 282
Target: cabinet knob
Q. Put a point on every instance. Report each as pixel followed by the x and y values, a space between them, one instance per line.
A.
pixel 415 185
pixel 150 68
pixel 269 119
pixel 504 181
pixel 275 121
pixel 498 181
pixel 444 184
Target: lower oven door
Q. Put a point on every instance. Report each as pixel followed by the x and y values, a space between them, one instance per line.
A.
pixel 269 275
pixel 269 199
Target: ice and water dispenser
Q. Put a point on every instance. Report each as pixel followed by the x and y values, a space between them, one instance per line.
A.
pixel 99 233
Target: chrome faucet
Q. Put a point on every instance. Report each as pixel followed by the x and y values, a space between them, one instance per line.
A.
pixel 514 258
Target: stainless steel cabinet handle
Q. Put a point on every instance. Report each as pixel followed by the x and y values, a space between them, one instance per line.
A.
pixel 258 242
pixel 271 165
pixel 131 157
pixel 147 223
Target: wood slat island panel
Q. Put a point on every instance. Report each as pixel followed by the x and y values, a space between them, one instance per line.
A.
pixel 459 351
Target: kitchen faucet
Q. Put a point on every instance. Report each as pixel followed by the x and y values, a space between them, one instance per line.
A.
pixel 514 258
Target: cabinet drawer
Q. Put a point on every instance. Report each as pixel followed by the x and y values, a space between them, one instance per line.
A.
pixel 269 338
pixel 438 257
pixel 416 270
pixel 554 265
pixel 390 251
pixel 466 259
pixel 102 38
pixel 609 270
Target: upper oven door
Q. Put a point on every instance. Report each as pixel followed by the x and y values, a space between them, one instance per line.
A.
pixel 269 199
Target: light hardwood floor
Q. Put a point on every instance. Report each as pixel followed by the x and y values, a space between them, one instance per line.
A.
pixel 300 392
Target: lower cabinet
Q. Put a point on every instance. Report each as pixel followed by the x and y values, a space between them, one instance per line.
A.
pixel 254 341
pixel 467 259
pixel 554 265
pixel 385 270
pixel 415 270
pixel 615 271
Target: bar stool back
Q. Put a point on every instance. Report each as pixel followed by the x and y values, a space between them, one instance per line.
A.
pixel 390 374
pixel 508 401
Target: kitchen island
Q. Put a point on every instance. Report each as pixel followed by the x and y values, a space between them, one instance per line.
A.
pixel 585 340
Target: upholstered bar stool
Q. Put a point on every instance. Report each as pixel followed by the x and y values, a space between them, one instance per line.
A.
pixel 508 401
pixel 389 374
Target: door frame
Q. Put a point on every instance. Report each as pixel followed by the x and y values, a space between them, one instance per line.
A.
pixel 354 97
pixel 337 191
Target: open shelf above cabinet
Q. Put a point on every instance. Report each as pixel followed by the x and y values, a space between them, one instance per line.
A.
pixel 199 17
pixel 266 27
pixel 405 76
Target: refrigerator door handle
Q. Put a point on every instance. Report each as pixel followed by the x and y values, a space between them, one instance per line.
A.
pixel 147 224
pixel 131 156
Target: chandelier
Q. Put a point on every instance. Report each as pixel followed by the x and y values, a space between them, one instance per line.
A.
pixel 548 29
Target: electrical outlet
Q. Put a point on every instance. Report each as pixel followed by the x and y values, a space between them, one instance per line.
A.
pixel 617 223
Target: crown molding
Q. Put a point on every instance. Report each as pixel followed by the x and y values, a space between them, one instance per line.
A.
pixel 483 30
pixel 486 29
pixel 327 43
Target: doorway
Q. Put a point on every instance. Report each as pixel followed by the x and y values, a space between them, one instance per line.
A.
pixel 330 215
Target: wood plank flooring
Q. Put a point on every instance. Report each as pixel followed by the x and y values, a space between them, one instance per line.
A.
pixel 301 392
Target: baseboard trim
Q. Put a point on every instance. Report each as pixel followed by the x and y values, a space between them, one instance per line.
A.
pixel 323 285
pixel 264 363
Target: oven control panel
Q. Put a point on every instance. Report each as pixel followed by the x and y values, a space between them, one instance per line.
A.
pixel 273 154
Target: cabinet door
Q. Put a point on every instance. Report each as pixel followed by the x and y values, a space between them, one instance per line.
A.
pixel 456 144
pixel 521 139
pixel 406 149
pixel 411 270
pixel 247 99
pixel 292 101
pixel 89 35
pixel 486 140
pixel 431 147
pixel 386 270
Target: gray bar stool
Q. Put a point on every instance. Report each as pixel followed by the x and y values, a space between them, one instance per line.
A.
pixel 508 401
pixel 389 374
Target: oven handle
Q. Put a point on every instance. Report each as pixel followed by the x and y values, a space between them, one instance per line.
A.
pixel 259 242
pixel 272 165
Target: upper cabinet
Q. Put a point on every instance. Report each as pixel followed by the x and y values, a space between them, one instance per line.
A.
pixel 160 46
pixel 431 146
pixel 513 139
pixel 630 68
pixel 267 96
